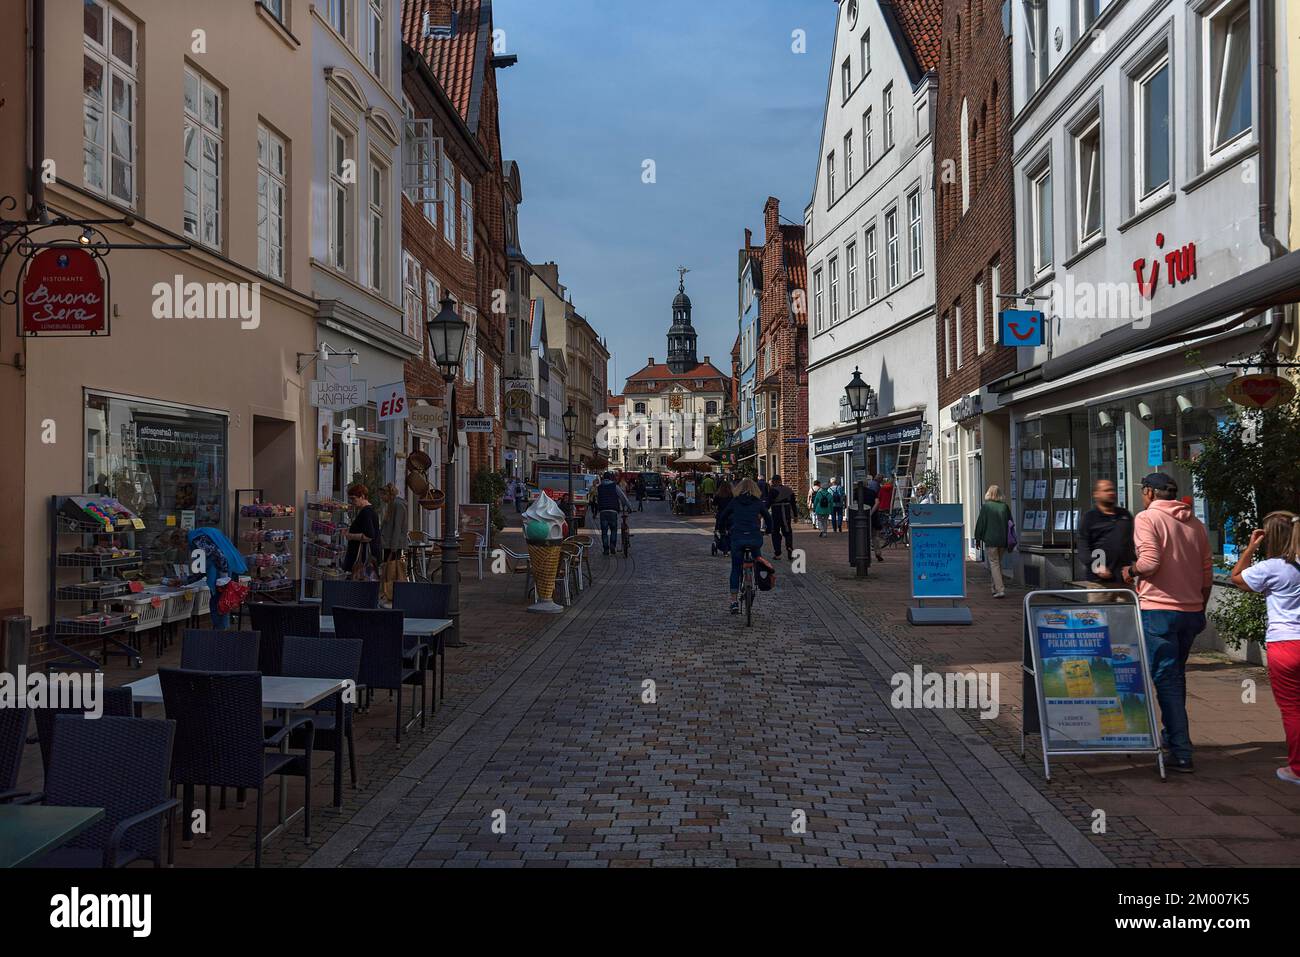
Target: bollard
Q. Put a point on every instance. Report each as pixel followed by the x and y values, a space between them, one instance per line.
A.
pixel 15 643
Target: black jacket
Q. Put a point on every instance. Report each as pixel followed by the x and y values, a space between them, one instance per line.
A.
pixel 780 502
pixel 741 517
pixel 1112 534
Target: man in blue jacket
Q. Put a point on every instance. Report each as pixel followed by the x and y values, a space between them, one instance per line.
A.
pixel 610 500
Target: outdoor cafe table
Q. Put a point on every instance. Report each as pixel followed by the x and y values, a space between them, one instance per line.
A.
pixel 284 696
pixel 411 627
pixel 30 831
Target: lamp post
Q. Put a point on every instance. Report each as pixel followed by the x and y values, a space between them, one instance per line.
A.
pixel 447 332
pixel 729 423
pixel 570 426
pixel 859 395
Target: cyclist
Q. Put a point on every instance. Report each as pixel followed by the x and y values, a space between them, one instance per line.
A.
pixel 745 516
pixel 610 500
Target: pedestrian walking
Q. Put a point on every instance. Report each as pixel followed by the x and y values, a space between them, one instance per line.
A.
pixel 640 493
pixel 394 525
pixel 707 488
pixel 1174 577
pixel 823 503
pixel 610 500
pixel 780 503
pixel 837 505
pixel 993 534
pixel 924 496
pixel 1105 544
pixel 1276 576
pixel 723 495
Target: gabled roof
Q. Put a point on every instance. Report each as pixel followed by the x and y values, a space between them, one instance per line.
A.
pixel 458 55
pixel 917 27
pixel 660 372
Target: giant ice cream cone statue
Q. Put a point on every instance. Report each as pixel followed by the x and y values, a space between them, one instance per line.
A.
pixel 545 562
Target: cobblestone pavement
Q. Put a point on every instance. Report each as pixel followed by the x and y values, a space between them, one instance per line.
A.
pixel 562 759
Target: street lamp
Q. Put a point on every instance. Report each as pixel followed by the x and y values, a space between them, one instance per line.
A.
pixel 859 394
pixel 729 424
pixel 447 332
pixel 570 426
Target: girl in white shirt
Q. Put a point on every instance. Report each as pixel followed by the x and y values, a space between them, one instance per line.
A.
pixel 1277 578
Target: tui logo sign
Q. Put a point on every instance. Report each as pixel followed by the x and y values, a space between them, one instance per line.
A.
pixel 1022 328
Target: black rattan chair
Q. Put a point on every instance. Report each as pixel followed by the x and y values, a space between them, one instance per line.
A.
pixel 13 738
pixel 327 658
pixel 220 740
pixel 117 704
pixel 219 650
pixel 387 662
pixel 427 600
pixel 119 764
pixel 274 622
pixel 346 594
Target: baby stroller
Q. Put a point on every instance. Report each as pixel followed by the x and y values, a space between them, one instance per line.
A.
pixel 721 542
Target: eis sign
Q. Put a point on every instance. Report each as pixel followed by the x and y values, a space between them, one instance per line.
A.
pixel 64 292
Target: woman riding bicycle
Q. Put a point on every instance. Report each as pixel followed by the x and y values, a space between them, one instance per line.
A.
pixel 741 517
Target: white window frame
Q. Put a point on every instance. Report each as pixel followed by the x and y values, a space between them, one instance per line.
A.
pixel 1086 13
pixel 889 116
pixel 893 254
pixel 412 295
pixel 873 266
pixel 833 268
pixel 830 179
pixel 1036 226
pixel 470 360
pixel 272 194
pixel 868 156
pixel 979 317
pixel 207 220
pixel 848 161
pixel 947 344
pixel 336 15
pixel 377 221
pixel 995 292
pixel 965 156
pixel 866 52
pixel 1038 43
pixel 851 274
pixel 374 38
pixel 916 232
pixel 956 328
pixel 1142 197
pixel 1233 12
pixel 341 194
pixel 846 79
pixel 1084 179
pixel 819 314
pixel 467 218
pixel 433 305
pixel 112 68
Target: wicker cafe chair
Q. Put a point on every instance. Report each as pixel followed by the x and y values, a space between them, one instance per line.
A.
pixel 325 658
pixel 220 740
pixel 274 622
pixel 346 594
pixel 13 738
pixel 420 600
pixel 203 650
pixel 387 662
pixel 119 764
pixel 117 704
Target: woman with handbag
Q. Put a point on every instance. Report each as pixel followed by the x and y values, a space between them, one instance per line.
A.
pixel 993 532
pixel 363 537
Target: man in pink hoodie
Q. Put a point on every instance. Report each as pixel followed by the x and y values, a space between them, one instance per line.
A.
pixel 1173 576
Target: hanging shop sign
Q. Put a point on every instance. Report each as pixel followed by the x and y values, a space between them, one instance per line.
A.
pixel 339 395
pixel 1022 328
pixel 480 425
pixel 519 395
pixel 428 418
pixel 64 292
pixel 391 400
pixel 1260 391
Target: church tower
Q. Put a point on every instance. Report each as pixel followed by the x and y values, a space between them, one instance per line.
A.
pixel 682 337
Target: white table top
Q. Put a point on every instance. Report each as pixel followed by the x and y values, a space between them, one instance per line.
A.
pixel 412 627
pixel 280 694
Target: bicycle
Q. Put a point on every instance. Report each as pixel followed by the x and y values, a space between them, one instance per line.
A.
pixel 748 590
pixel 625 535
pixel 895 532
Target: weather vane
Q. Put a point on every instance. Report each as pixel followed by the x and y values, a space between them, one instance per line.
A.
pixel 681 281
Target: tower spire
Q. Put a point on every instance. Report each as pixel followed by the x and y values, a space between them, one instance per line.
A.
pixel 682 337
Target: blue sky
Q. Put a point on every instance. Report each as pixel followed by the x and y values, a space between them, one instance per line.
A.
pixel 713 93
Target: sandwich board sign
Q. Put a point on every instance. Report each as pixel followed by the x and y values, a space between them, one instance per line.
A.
pixel 1087 683
pixel 938 555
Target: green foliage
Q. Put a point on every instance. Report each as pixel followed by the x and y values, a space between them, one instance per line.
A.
pixel 487 487
pixel 717 437
pixel 1241 617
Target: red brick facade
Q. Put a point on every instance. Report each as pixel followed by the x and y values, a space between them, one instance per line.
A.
pixel 784 318
pixel 975 68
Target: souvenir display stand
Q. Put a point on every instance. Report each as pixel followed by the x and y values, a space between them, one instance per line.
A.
pixel 93 560
pixel 265 538
pixel 324 525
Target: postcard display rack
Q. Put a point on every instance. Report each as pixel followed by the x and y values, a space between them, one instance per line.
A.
pixel 93 556
pixel 265 539
pixel 324 545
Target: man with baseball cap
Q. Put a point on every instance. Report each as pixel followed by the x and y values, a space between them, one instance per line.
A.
pixel 1173 576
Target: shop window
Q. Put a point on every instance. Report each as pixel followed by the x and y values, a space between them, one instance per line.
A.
pixel 1051 488
pixel 165 463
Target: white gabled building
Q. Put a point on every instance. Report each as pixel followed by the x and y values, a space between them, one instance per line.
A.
pixel 869 229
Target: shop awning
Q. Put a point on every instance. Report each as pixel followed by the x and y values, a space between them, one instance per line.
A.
pixel 1272 284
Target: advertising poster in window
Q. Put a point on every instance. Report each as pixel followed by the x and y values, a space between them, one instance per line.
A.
pixel 1092 680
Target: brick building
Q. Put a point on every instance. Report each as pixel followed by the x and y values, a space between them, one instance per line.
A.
pixel 454 222
pixel 781 365
pixel 975 252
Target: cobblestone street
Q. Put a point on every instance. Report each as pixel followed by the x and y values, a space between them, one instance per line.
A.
pixel 750 732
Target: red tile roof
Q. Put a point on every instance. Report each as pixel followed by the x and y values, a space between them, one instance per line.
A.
pixel 459 61
pixel 921 22
pixel 662 377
